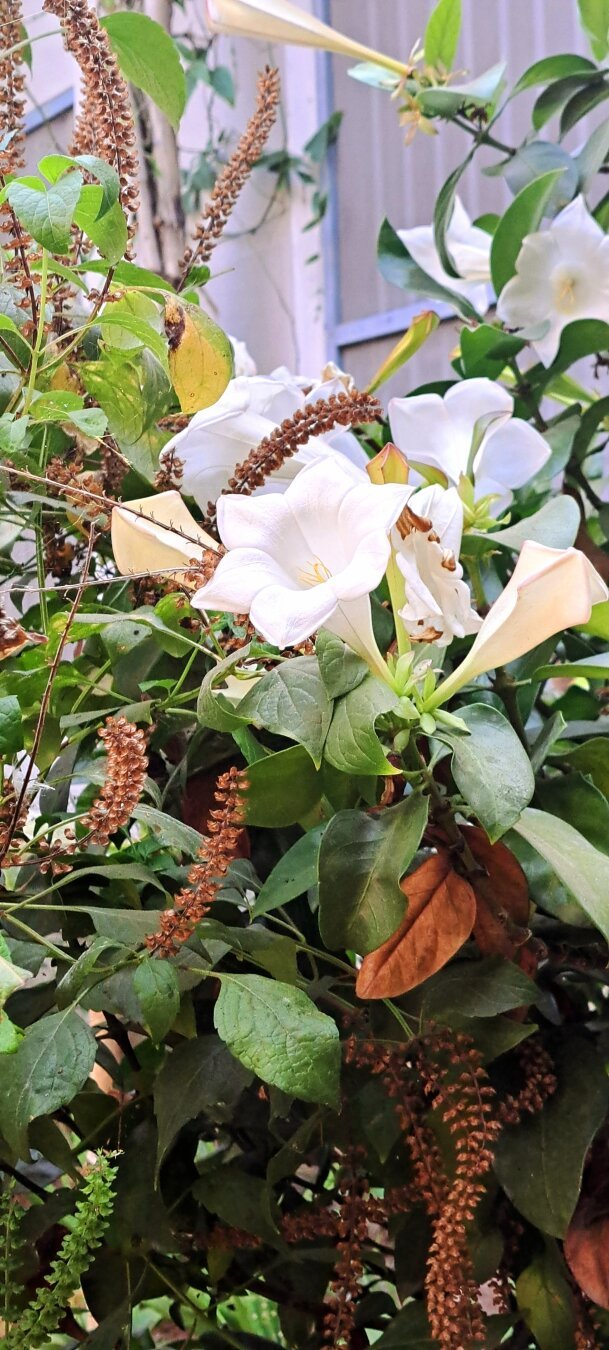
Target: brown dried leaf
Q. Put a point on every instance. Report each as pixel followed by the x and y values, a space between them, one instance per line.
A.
pixel 587 1255
pixel 502 896
pixel 440 917
pixel 13 638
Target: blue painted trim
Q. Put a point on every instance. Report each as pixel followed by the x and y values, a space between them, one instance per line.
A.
pixel 47 112
pixel 387 323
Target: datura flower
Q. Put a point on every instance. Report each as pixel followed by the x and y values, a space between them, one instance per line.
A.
pixel 251 407
pixel 157 534
pixel 470 249
pixel 426 541
pixel 307 558
pixel 562 274
pixel 281 21
pixel 470 433
pixel 550 589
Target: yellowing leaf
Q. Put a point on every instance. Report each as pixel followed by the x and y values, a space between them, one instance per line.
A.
pixel 200 355
pixel 412 340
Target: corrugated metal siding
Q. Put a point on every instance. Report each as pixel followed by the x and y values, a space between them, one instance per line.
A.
pixel 377 175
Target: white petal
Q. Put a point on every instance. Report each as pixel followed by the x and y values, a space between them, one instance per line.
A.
pixel 157 534
pixel 238 578
pixel 421 429
pixel 285 616
pixel 511 454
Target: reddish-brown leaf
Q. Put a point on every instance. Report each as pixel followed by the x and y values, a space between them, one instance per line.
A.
pixel 587 1255
pixel 502 896
pixel 440 917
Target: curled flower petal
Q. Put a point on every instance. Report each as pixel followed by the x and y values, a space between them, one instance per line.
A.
pixel 157 534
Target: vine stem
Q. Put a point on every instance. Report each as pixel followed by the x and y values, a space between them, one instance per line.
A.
pixel 46 698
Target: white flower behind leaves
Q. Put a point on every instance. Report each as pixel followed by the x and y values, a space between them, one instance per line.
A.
pixel 470 433
pixel 307 558
pixel 562 274
pixel 251 407
pixel 470 249
pixel 427 540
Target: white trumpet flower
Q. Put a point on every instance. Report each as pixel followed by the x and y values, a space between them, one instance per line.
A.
pixel 427 541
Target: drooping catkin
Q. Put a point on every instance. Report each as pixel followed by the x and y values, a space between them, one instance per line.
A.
pixel 193 902
pixel 234 176
pixel 106 125
pixel 349 409
pixel 352 1232
pixel 126 770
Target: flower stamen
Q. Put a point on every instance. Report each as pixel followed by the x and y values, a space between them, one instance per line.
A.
pixel 315 573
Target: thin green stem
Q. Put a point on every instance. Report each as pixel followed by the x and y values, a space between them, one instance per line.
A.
pixel 37 937
pixel 42 304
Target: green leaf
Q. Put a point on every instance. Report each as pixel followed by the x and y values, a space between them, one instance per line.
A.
pixel 11 725
pixel 408 1330
pixel 552 68
pixel 405 348
pixel 158 993
pixel 594 18
pixel 352 744
pixel 54 166
pixel 580 866
pixel 294 874
pixel 583 337
pixel 277 1032
pixel 199 1076
pixel 144 332
pixel 442 34
pixel 361 862
pixel 398 268
pixel 130 927
pixel 10 1035
pixel 555 525
pixel 485 350
pixel 477 989
pixel 554 98
pixel 592 155
pixel 341 668
pixel 535 159
pixel 50 1066
pixel 591 758
pixel 238 1199
pixel 522 217
pixel 47 214
pixel 282 789
pixel 540 1162
pixel 11 976
pixel 545 1300
pixel 213 709
pixel 292 701
pixel 589 668
pixel 442 100
pixel 134 391
pixel 170 831
pixel 108 231
pixel 149 58
pixel 491 768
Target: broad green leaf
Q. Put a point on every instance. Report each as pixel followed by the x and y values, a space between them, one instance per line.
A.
pixel 477 989
pixel 294 874
pixel 54 166
pixel 292 701
pixel 134 391
pixel 11 1036
pixel 199 1076
pixel 522 217
pixel 555 525
pixel 592 155
pixel 405 348
pixel 594 18
pixel 540 1162
pixel 11 726
pixel 582 103
pixel 361 861
pixel 580 866
pixel 47 214
pixel 108 231
pixel 77 976
pixel 398 268
pixel 552 68
pixel 491 768
pixel 60 405
pixel 557 94
pixel 144 332
pixel 545 1300
pixel 485 350
pixel 240 1199
pixel 589 668
pixel 407 1330
pixel 583 337
pixel 213 709
pixel 575 799
pixel 50 1066
pixel 11 976
pixel 443 99
pixel 444 208
pixel 341 668
pixel 170 831
pixel 352 744
pixel 277 1032
pixel 591 758
pixel 532 162
pixel 130 927
pixel 158 993
pixel 149 58
pixel 442 34
pixel 282 789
